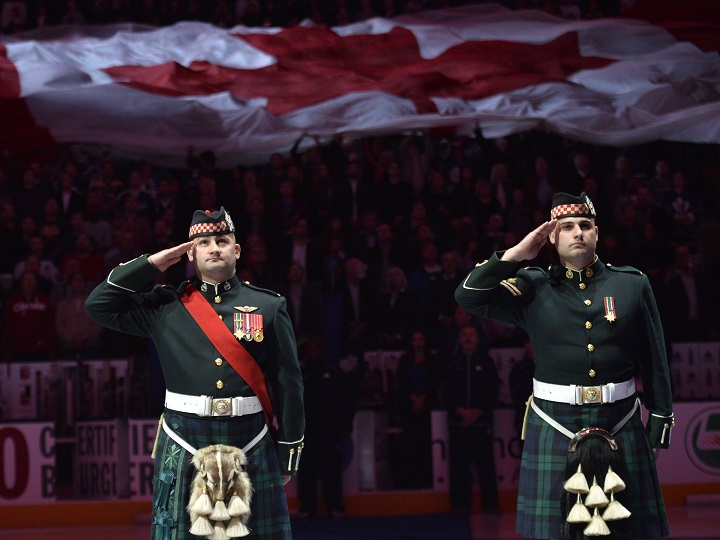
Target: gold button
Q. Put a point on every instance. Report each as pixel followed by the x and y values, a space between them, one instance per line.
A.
pixel 218 300
pixel 588 325
pixel 589 272
pixel 588 302
pixel 218 361
pixel 568 274
pixel 582 286
pixel 592 373
pixel 220 317
pixel 591 347
pixel 220 385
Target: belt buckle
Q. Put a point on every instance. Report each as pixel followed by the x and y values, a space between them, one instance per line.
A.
pixel 592 394
pixel 221 407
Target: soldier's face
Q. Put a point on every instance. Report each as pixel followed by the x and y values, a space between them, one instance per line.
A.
pixel 214 257
pixel 575 239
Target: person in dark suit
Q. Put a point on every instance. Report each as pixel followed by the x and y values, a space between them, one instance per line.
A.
pixel 304 303
pixel 353 194
pixel 358 302
pixel 298 246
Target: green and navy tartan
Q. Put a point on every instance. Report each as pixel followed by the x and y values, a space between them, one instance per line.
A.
pixel 544 459
pixel 269 518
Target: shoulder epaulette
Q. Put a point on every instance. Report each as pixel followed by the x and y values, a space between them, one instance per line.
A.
pixel 626 269
pixel 260 289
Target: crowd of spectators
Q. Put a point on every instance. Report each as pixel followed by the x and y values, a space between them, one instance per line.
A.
pixel 367 238
pixel 20 15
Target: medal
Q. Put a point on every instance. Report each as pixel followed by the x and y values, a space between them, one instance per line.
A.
pixel 248 325
pixel 610 313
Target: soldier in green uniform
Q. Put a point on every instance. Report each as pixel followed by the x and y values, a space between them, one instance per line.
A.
pixel 222 344
pixel 593 327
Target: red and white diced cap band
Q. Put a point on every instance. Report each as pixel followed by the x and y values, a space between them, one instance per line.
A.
pixel 570 210
pixel 204 228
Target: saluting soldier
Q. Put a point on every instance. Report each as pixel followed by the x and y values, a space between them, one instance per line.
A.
pixel 593 328
pixel 225 346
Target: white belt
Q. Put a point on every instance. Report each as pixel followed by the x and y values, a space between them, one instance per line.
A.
pixel 574 394
pixel 209 406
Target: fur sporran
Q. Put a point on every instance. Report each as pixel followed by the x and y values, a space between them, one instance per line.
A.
pixel 219 504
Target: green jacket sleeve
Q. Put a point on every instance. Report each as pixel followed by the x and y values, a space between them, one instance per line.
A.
pixel 116 303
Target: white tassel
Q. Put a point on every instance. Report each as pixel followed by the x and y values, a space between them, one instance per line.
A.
pixel 615 510
pixel 597 526
pixel 613 482
pixel 201 527
pixel 237 506
pixel 219 533
pixel 596 497
pixel 220 512
pixel 577 483
pixel 579 513
pixel 202 505
pixel 236 529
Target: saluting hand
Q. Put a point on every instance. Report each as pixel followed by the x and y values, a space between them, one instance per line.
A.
pixel 162 260
pixel 529 247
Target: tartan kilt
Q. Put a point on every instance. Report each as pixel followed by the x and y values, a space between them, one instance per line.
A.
pixel 544 459
pixel 269 511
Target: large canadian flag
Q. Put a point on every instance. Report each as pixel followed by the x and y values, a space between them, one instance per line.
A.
pixel 244 93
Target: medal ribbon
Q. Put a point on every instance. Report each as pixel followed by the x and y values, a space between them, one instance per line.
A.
pixel 610 314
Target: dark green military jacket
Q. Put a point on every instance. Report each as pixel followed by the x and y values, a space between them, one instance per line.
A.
pixel 592 327
pixel 190 362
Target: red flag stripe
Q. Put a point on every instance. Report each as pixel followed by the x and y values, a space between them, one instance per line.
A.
pixel 314 65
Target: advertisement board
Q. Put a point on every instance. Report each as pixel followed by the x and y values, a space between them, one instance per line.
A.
pixel 27 463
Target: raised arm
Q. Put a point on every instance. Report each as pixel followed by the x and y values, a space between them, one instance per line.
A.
pixel 529 247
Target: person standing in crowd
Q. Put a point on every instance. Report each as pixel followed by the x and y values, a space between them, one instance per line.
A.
pixel 329 409
pixel 592 327
pixel 224 346
pixel 28 324
pixel 78 336
pixel 416 397
pixel 686 311
pixel 472 392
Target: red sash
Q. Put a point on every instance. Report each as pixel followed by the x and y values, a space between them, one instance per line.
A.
pixel 225 342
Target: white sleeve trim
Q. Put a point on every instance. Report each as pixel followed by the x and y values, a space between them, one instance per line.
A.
pixel 115 284
pixel 293 442
pixel 465 286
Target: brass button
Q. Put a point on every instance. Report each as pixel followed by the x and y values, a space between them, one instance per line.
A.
pixel 588 302
pixel 218 361
pixel 220 385
pixel 591 347
pixel 588 325
pixel 589 272
pixel 582 286
pixel 592 373
pixel 568 274
pixel 218 300
pixel 220 317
